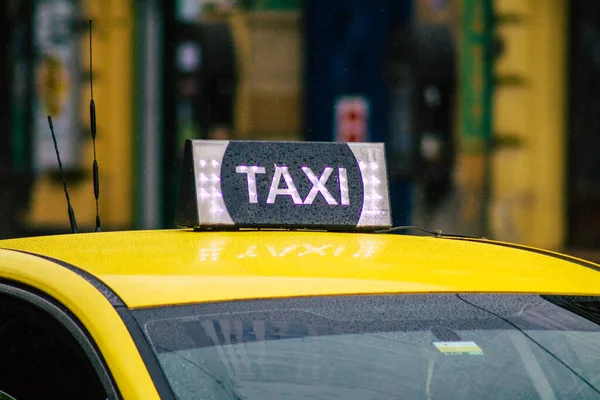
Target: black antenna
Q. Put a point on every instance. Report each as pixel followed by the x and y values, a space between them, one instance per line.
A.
pixel 93 128
pixel 62 175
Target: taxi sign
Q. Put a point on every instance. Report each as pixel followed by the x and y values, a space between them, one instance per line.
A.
pixel 258 184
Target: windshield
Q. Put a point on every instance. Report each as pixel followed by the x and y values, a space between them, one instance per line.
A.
pixel 379 347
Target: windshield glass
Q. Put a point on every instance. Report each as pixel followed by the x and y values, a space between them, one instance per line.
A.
pixel 379 347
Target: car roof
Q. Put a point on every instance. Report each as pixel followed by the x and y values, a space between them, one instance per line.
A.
pixel 154 268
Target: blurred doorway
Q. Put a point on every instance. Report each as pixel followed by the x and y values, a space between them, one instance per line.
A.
pixel 584 126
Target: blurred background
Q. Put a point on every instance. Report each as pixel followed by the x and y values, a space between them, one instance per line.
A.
pixel 488 108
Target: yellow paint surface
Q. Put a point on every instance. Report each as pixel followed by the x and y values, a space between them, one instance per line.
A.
pixel 150 268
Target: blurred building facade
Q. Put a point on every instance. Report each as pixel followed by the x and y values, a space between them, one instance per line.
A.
pixel 46 73
pixel 525 170
pixel 487 107
pixel 544 171
pixel 528 145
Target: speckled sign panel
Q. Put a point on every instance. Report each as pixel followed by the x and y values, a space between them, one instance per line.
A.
pixel 287 185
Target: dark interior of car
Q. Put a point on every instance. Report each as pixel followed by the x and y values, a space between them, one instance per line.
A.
pixel 40 359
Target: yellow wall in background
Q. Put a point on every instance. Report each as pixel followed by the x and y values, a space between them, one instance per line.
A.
pixel 528 167
pixel 113 68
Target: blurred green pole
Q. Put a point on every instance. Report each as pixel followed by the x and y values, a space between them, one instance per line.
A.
pixel 476 91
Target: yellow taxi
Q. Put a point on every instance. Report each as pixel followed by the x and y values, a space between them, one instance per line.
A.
pixel 286 282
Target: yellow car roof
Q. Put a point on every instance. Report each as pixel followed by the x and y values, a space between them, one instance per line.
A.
pixel 153 268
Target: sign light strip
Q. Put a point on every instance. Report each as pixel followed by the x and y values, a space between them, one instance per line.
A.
pixel 376 202
pixel 207 165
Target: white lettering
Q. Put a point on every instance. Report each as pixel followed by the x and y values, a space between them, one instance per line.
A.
pixel 251 178
pixel 318 186
pixel 291 190
pixel 345 199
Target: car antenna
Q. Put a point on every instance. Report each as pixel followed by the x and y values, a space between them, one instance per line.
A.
pixel 93 129
pixel 62 175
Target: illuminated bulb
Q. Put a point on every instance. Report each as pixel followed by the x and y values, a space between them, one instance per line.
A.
pixel 362 165
pixel 202 163
pixel 374 165
pixel 214 163
pixel 215 208
pixel 204 194
pixel 215 178
pixel 203 178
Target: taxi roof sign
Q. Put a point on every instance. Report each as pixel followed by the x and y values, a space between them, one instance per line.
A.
pixel 296 185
